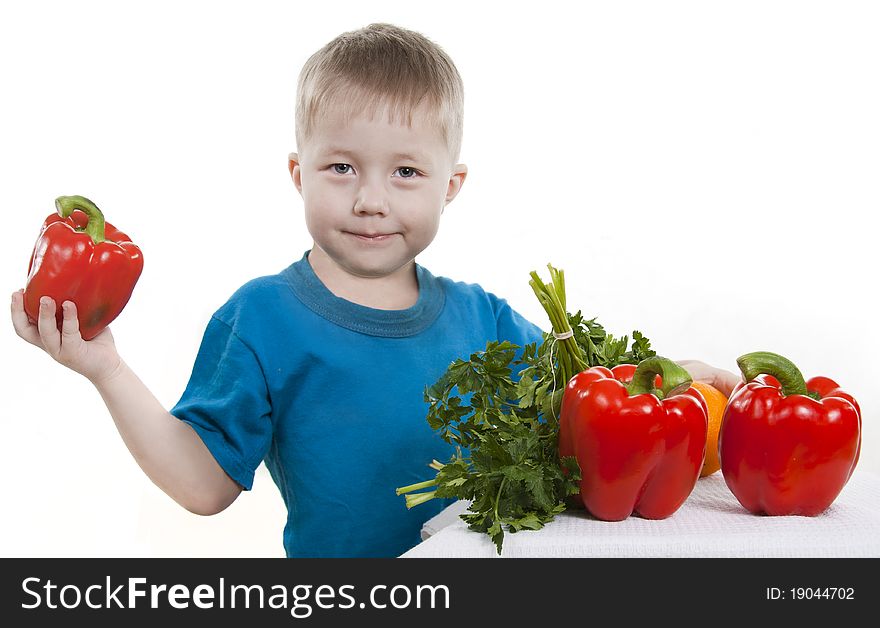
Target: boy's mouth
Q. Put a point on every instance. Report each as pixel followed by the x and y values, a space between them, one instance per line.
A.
pixel 371 237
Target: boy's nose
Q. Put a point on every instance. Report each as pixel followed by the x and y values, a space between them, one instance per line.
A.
pixel 371 202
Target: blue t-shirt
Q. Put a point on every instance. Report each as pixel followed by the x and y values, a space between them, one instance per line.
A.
pixel 330 394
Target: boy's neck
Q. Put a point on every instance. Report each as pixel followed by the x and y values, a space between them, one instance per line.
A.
pixel 397 291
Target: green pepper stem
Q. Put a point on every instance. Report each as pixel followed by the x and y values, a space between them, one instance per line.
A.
pixel 766 363
pixel 95 227
pixel 676 379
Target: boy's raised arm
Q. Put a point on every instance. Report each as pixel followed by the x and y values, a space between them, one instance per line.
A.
pixel 168 450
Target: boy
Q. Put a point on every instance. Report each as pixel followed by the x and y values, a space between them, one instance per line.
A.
pixel 319 370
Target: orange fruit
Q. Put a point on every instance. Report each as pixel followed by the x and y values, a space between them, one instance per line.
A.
pixel 715 402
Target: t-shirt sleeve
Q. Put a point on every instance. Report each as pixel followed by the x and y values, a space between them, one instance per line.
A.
pixel 514 327
pixel 227 403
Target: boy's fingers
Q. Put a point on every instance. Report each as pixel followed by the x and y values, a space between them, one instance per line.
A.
pixel 23 327
pixel 71 340
pixel 70 324
pixel 725 381
pixel 48 327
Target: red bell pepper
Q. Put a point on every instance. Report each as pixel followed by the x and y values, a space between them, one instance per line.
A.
pixel 81 258
pixel 787 447
pixel 640 448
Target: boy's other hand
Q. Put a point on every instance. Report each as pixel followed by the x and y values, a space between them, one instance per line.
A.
pixel 95 359
pixel 723 380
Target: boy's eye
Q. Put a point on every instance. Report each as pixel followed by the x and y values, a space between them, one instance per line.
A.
pixel 405 172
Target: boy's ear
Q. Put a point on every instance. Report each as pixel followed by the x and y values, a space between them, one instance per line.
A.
pixel 293 166
pixel 456 180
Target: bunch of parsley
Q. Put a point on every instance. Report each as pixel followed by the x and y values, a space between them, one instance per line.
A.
pixel 501 413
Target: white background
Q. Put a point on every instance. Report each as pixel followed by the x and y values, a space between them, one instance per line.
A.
pixel 704 172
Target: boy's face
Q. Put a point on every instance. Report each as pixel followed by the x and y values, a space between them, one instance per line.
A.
pixel 373 191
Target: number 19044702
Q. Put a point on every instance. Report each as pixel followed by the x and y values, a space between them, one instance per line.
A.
pixel 811 593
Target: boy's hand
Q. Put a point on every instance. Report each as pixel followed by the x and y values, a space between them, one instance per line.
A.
pixel 95 359
pixel 718 378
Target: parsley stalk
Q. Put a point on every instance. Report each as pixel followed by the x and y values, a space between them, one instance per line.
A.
pixel 415 500
pixel 421 498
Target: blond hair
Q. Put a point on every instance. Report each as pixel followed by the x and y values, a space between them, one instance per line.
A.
pixel 382 65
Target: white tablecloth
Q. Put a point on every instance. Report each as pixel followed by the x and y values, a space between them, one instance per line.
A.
pixel 711 523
